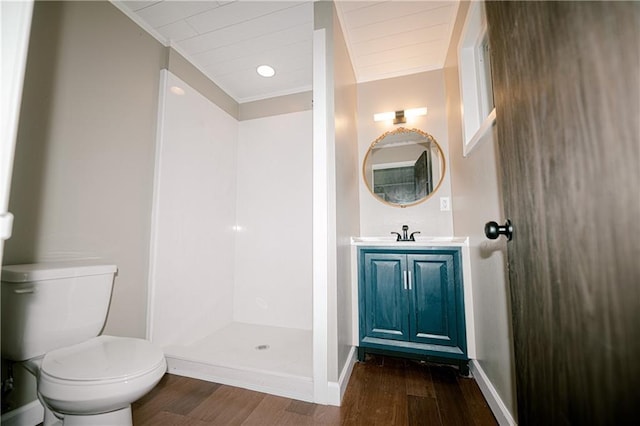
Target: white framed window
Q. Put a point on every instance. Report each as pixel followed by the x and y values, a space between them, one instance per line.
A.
pixel 476 89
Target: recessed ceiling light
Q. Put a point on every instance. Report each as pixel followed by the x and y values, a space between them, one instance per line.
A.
pixel 177 90
pixel 266 71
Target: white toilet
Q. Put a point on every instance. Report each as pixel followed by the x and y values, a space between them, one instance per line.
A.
pixel 51 315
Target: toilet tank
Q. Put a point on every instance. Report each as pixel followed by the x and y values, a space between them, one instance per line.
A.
pixel 47 306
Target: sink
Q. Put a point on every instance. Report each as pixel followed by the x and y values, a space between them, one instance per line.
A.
pixel 420 241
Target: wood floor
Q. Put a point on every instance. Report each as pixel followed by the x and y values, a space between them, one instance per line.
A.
pixel 382 391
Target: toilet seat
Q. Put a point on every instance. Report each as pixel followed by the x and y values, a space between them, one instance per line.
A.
pixel 103 359
pixel 100 375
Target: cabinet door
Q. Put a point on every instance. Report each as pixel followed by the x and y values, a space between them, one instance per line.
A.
pixel 385 299
pixel 435 297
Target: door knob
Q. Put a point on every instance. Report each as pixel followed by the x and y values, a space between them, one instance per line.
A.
pixel 492 230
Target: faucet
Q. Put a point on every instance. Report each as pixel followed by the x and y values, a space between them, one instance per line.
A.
pixel 404 236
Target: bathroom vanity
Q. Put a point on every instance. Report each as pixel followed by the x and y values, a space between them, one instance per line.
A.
pixel 411 299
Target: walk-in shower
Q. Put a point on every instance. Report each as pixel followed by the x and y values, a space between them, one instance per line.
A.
pixel 230 277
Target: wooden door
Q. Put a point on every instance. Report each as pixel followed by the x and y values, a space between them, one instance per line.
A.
pixel 567 94
pixel 423 175
pixel 384 290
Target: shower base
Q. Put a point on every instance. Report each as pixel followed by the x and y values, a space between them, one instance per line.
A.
pixel 274 360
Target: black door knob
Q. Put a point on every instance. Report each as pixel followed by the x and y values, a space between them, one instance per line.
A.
pixel 492 230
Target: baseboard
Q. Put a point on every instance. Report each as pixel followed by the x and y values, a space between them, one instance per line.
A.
pixel 499 409
pixel 30 414
pixel 285 385
pixel 337 390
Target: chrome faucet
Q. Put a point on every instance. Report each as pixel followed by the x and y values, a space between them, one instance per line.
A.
pixel 404 236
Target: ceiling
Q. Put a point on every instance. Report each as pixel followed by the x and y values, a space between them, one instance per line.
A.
pixel 228 40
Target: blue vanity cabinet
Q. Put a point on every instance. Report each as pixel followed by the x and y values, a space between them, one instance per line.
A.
pixel 386 313
pixel 411 301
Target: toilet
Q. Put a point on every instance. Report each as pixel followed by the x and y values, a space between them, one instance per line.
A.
pixel 52 316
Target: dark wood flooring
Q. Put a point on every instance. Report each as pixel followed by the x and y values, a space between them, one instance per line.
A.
pixel 382 391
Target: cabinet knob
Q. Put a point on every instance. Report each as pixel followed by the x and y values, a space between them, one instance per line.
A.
pixel 492 230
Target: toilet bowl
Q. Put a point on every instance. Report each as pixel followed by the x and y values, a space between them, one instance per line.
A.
pixel 101 375
pixel 51 315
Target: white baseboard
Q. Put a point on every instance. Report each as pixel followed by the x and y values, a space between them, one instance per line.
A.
pixel 499 409
pixel 285 385
pixel 27 415
pixel 337 390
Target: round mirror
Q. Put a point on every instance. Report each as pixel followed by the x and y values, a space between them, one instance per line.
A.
pixel 403 167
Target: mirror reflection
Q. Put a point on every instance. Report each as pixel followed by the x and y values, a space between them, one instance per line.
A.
pixel 403 167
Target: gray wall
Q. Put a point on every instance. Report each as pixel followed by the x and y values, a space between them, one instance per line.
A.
pixel 83 171
pixel 295 102
pixel 342 186
pixel 425 89
pixel 477 200
pixel 347 179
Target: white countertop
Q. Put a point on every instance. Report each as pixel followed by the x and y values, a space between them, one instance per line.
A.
pixel 419 242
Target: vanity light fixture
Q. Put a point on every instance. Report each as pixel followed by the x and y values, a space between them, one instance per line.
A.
pixel 384 116
pixel 266 71
pixel 400 116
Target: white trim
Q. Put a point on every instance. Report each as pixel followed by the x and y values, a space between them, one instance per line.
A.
pixel 30 414
pixel 336 390
pixel 355 301
pixel 320 220
pixel 470 326
pixel 480 133
pixel 284 385
pixel 6 225
pixel 155 204
pixel 15 20
pixel 499 409
pixel 476 117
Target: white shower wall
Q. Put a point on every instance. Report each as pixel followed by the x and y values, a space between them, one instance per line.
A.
pixel 232 220
pixel 273 214
pixel 192 261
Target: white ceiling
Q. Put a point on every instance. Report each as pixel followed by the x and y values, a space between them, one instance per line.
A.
pixel 227 40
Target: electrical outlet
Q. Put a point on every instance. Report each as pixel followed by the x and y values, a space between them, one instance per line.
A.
pixel 445 204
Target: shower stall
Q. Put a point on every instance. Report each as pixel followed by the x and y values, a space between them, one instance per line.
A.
pixel 230 292
pixel 250 276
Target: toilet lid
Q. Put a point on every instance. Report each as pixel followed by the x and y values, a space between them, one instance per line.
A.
pixel 102 358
